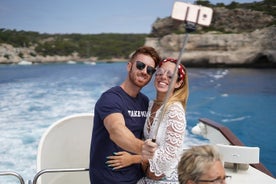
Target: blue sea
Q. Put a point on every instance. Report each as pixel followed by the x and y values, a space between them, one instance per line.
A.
pixel 32 97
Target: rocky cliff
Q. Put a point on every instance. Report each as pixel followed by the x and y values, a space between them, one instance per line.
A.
pixel 249 41
pixel 256 49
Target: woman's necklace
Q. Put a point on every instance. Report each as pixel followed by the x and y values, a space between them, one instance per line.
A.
pixel 156 105
pixel 158 102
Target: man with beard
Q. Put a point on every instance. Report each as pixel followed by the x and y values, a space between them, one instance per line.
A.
pixel 119 118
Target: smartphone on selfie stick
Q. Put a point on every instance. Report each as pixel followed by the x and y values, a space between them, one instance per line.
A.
pixel 196 14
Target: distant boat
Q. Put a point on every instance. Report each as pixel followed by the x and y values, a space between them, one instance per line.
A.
pixel 24 62
pixel 71 62
pixel 90 62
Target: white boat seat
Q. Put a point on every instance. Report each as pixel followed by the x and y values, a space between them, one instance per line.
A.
pixel 65 145
pixel 238 157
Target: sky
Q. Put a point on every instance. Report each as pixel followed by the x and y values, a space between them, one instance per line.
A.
pixel 86 16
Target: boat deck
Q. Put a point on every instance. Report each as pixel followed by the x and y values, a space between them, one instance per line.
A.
pixel 249 176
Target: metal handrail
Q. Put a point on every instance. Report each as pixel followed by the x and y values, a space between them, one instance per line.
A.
pixel 18 176
pixel 45 171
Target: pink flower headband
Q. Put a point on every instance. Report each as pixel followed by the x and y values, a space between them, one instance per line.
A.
pixel 181 69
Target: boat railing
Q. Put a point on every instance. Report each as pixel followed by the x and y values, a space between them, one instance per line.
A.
pixel 233 140
pixel 12 173
pixel 46 171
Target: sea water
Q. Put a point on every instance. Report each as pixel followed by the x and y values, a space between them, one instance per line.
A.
pixel 33 97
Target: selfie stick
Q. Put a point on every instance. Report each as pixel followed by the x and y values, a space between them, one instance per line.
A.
pixel 189 28
pixel 191 14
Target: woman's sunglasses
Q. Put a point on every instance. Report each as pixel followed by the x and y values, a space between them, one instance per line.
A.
pixel 161 71
pixel 140 66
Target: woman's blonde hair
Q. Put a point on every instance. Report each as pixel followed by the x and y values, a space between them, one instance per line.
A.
pixel 180 94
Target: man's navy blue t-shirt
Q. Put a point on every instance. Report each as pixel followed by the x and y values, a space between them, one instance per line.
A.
pixel 134 110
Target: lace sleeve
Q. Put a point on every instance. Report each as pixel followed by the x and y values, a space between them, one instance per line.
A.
pixel 172 132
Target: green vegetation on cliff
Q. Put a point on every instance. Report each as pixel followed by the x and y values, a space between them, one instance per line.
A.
pixel 266 6
pixel 86 45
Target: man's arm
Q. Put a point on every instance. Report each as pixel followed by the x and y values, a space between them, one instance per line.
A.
pixel 121 135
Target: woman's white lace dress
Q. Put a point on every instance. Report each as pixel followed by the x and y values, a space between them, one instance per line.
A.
pixel 170 138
